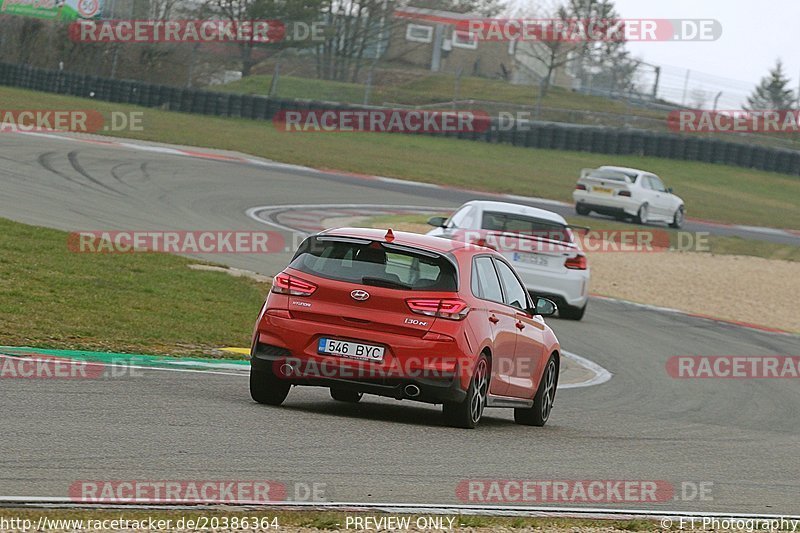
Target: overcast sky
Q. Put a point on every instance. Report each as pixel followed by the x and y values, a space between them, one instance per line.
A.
pixel 754 35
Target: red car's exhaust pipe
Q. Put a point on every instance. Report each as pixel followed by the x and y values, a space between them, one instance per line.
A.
pixel 412 391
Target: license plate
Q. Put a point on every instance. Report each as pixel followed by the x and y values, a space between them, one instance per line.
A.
pixel 531 259
pixel 351 350
pixel 603 190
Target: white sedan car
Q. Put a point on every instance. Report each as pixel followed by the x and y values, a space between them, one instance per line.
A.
pixel 539 244
pixel 627 192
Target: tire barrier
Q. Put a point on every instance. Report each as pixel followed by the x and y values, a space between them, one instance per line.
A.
pixel 531 134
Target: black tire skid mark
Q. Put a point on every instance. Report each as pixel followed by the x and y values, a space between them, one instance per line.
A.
pixel 73 159
pixel 44 160
pixel 119 176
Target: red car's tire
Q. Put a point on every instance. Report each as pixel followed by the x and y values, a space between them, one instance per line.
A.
pixel 569 312
pixel 468 413
pixel 344 395
pixel 266 388
pixel 539 413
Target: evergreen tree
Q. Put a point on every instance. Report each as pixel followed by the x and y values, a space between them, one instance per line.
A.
pixel 773 93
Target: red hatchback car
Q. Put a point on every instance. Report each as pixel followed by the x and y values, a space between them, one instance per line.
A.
pixel 406 316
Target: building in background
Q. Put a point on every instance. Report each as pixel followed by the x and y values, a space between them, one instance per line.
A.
pixel 431 39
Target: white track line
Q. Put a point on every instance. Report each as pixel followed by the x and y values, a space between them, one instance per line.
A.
pixel 407 182
pixel 86 362
pixel 601 375
pixel 415 508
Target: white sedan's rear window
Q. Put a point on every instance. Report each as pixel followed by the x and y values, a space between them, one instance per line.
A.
pixel 523 225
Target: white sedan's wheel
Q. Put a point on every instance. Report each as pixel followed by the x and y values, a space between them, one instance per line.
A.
pixel 644 214
pixel 677 218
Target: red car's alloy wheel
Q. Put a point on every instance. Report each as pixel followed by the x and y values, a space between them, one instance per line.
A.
pixel 480 390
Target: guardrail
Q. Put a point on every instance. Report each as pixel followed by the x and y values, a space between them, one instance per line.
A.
pixel 533 134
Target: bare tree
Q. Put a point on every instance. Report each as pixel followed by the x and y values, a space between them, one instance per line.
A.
pixel 545 56
pixel 353 27
pixel 164 9
pixel 287 11
pixel 604 63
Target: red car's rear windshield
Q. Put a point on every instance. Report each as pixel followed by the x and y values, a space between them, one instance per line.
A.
pixel 376 263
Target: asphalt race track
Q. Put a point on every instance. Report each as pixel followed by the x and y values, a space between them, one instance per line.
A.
pixel 741 435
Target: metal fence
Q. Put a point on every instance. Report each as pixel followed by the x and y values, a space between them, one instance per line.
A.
pixel 533 134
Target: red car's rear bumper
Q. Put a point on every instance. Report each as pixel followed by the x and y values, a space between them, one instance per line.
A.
pixel 287 347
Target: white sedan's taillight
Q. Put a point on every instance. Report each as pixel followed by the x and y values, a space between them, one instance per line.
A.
pixel 578 262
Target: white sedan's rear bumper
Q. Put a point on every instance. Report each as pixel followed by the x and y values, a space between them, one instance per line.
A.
pixel 569 285
pixel 606 203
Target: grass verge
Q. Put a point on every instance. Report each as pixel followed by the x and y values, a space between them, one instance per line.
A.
pixel 145 303
pixel 433 89
pixel 713 192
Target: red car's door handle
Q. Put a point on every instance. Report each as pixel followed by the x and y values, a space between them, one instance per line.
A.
pixel 520 325
pixel 493 319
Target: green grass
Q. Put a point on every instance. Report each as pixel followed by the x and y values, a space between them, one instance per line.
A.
pixel 716 244
pixel 134 303
pixel 714 192
pixel 431 89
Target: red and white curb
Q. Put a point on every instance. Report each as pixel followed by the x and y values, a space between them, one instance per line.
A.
pixel 309 218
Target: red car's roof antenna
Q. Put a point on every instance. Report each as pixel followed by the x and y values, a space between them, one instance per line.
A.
pixel 389 235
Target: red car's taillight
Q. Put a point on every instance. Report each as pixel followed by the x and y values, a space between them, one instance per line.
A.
pixel 452 309
pixel 580 187
pixel 291 285
pixel 624 193
pixel 578 262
